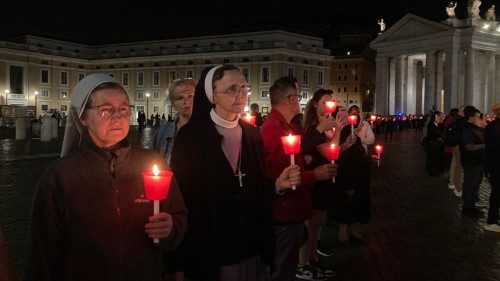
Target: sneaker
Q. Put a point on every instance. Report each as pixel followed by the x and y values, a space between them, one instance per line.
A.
pixel 458 193
pixel 322 270
pixel 308 272
pixel 492 227
pixel 451 186
pixel 323 250
pixel 481 204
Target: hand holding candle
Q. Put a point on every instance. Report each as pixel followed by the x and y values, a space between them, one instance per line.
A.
pixel 332 153
pixel 291 146
pixel 156 185
pixel 249 119
pixel 378 149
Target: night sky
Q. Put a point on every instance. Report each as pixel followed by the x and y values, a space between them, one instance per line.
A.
pixel 98 22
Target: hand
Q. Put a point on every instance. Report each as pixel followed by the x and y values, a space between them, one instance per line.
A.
pixel 348 143
pixel 159 226
pixel 325 172
pixel 325 125
pixel 288 178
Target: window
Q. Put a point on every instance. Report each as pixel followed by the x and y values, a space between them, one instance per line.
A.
pixel 345 77
pixel 63 64
pixel 345 66
pixel 45 107
pixel 345 89
pixel 305 77
pixel 140 108
pixel 156 78
pixel 45 76
pixel 64 108
pixel 81 76
pixel 141 65
pixel 305 61
pixel 340 66
pixel 320 63
pixel 156 95
pixel 190 62
pixel 356 65
pixel 81 67
pixel 226 61
pixel 140 78
pixel 290 72
pixel 355 89
pixel 190 73
pixel 264 94
pixel 246 73
pixel 45 62
pixel 64 94
pixel 264 77
pixel 125 79
pixel 64 78
pixel 208 61
pixel 339 78
pixel 172 63
pixel 111 74
pixel 173 75
pixel 320 77
pixel 45 93
pixel 246 59
pixel 156 64
pixel 265 58
pixel 156 109
pixel 140 95
pixel 338 89
pixel 305 95
pixel 290 59
pixel 356 77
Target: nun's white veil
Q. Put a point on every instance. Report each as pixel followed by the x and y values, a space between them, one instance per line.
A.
pixel 74 129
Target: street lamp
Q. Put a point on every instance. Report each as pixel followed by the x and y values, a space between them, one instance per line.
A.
pixel 7 91
pixel 147 104
pixel 36 102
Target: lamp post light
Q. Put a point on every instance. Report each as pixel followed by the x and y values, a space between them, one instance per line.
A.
pixel 36 103
pixel 7 91
pixel 147 104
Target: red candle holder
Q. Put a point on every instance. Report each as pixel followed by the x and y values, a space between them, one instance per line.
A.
pixel 378 149
pixel 291 146
pixel 352 120
pixel 250 119
pixel 332 153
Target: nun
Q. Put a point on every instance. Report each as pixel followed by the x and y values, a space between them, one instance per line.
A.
pixel 90 219
pixel 218 160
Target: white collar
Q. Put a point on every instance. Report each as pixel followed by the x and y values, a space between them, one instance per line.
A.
pixel 223 122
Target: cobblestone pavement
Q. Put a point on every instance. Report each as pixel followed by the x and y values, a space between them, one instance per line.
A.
pixel 416 232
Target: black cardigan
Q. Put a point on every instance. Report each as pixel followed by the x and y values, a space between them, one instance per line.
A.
pixel 226 223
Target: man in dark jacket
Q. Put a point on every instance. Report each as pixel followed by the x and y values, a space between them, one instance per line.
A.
pixel 492 167
pixel 472 158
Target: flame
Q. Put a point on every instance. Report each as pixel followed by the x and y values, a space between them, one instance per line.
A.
pixel 156 171
pixel 378 148
pixel 332 146
pixel 290 139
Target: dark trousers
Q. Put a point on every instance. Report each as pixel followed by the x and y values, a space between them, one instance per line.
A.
pixel 473 176
pixel 289 239
pixel 493 210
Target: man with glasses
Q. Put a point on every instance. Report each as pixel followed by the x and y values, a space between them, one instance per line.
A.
pixel 292 207
pixel 90 219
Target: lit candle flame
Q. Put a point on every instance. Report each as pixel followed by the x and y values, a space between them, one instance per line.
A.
pixel 332 146
pixel 290 139
pixel 156 171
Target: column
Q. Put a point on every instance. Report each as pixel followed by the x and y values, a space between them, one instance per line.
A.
pixel 438 101
pixel 489 93
pixel 382 90
pixel 419 74
pixel 430 81
pixel 451 79
pixel 398 85
pixel 392 85
pixel 469 77
pixel 409 104
pixel 461 77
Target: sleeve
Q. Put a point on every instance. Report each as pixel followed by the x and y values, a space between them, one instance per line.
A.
pixel 46 238
pixel 177 209
pixel 369 137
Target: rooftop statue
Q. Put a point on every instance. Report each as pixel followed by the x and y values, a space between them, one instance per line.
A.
pixel 474 9
pixel 490 14
pixel 382 25
pixel 450 9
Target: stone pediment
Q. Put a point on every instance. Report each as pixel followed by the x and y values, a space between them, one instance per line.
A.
pixel 411 27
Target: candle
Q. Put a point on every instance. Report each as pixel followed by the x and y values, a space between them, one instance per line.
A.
pixel 330 107
pixel 373 117
pixel 291 146
pixel 249 119
pixel 352 120
pixel 332 153
pixel 378 150
pixel 156 185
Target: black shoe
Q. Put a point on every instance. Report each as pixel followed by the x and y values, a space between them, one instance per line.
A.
pixel 323 250
pixel 472 212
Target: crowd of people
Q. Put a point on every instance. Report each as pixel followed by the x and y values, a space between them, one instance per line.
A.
pixel 238 208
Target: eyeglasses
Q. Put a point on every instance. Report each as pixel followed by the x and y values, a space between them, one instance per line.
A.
pixel 106 111
pixel 299 97
pixel 236 92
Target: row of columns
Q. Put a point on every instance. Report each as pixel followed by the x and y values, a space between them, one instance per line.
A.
pixel 437 80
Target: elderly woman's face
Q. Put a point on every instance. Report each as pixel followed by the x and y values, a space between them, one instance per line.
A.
pixel 106 131
pixel 183 99
pixel 230 93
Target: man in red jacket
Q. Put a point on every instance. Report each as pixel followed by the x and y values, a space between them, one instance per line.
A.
pixel 293 207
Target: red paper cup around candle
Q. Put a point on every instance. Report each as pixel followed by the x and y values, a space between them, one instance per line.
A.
pixel 332 153
pixel 156 186
pixel 330 106
pixel 291 146
pixel 249 119
pixel 378 149
pixel 352 121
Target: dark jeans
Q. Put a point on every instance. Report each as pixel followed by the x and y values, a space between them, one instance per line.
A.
pixel 493 214
pixel 473 176
pixel 289 239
